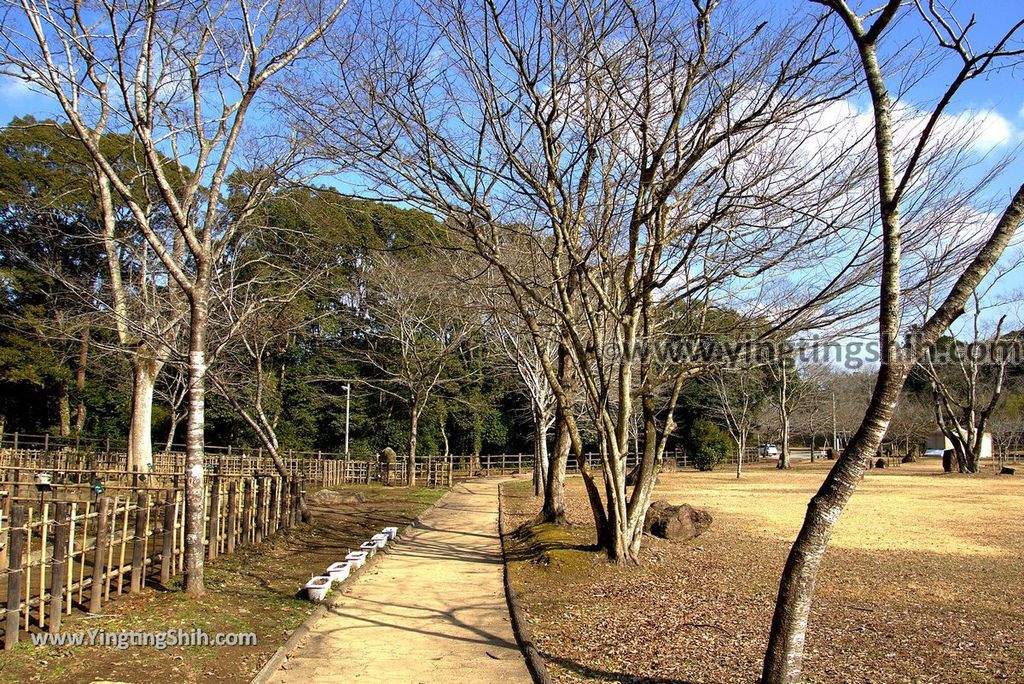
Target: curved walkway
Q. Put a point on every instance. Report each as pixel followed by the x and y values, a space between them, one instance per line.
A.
pixel 432 610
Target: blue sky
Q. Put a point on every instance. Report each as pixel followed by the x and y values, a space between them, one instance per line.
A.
pixel 1000 93
pixel 997 99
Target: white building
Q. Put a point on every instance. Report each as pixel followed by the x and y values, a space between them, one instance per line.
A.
pixel 938 443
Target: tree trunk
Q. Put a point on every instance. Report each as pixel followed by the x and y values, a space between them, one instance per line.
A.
pixel 622 530
pixel 444 439
pixel 631 506
pixel 172 430
pixel 784 451
pixel 947 461
pixel 538 476
pixel 83 358
pixel 540 449
pixel 540 452
pixel 64 409
pixel 140 431
pixel 553 510
pixel 195 499
pixel 784 658
pixel 413 427
pixel 741 447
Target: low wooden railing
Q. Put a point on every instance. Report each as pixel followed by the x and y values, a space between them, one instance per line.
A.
pixel 67 554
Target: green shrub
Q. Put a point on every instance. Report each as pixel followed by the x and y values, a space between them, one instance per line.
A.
pixel 710 445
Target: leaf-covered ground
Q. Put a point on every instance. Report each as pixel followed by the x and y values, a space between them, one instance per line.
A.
pixel 256 590
pixel 924 582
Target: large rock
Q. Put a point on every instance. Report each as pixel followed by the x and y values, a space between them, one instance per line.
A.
pixel 333 497
pixel 676 522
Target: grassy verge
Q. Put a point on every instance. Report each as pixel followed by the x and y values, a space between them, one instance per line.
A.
pixel 256 590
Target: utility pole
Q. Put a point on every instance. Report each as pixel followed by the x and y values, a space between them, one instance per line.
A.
pixel 348 400
pixel 835 433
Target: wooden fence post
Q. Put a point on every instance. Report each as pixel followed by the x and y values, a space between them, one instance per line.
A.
pixel 167 553
pixel 286 502
pixel 271 508
pixel 261 499
pixel 58 577
pixel 231 516
pixel 247 500
pixel 100 555
pixel 211 548
pixel 139 543
pixel 14 570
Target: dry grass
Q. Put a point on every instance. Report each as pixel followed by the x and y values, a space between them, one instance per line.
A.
pixel 922 582
pixel 935 512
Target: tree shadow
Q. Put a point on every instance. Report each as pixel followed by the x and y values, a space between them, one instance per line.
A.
pixel 590 672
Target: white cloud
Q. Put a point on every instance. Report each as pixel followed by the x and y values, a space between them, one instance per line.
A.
pixel 988 129
pixel 14 88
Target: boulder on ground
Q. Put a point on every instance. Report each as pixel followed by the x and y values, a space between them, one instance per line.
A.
pixel 909 458
pixel 880 463
pixel 333 497
pixel 676 522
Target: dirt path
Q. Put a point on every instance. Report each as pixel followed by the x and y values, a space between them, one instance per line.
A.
pixel 433 610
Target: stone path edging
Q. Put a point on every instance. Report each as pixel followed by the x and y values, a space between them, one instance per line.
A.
pixel 534 660
pixel 281 654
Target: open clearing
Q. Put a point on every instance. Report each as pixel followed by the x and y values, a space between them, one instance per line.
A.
pixel 922 582
pixel 255 590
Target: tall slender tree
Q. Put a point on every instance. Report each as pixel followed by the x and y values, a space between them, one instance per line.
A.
pixel 185 82
pixel 902 149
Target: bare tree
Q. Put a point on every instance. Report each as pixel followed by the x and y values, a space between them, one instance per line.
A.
pixel 416 323
pixel 86 227
pixel 967 381
pixel 913 420
pixel 895 188
pixel 796 389
pixel 740 395
pixel 173 392
pixel 1007 430
pixel 264 299
pixel 518 347
pixel 787 385
pixel 148 317
pixel 642 154
pixel 182 81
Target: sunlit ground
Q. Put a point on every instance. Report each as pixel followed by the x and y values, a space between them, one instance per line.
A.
pixel 911 507
pixel 921 583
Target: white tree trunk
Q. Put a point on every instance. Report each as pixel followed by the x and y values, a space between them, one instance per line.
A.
pixel 140 431
pixel 741 445
pixel 413 429
pixel 195 476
